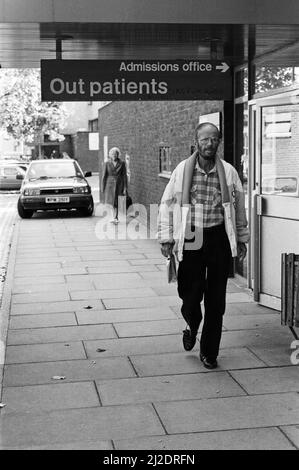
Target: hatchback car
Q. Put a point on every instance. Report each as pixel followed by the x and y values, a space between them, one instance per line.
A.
pixel 54 185
pixel 11 176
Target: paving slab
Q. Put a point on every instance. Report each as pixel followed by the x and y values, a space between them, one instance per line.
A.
pixel 170 289
pixel 245 322
pixel 153 254
pixel 238 297
pixel 122 269
pixel 73 270
pixel 105 282
pixel 133 346
pixel 218 414
pixel 167 388
pixel 42 321
pixel 43 244
pixel 141 302
pixel 44 352
pixel 73 371
pixel 269 380
pixel 162 268
pixel 55 307
pixel 188 362
pixel 39 289
pixel 154 276
pixel 97 263
pixel 59 295
pixel 274 356
pixel 126 315
pixel 105 245
pixel 292 433
pixel 112 294
pixel 36 280
pixel 247 308
pixel 76 285
pixel 36 254
pixel 241 439
pixel 140 262
pixel 99 248
pixel 96 255
pixel 54 427
pixel 60 334
pixel 267 338
pixel 78 445
pixel 36 261
pixel 40 267
pixel 149 328
pixel 129 278
pixel 33 398
pixel 232 287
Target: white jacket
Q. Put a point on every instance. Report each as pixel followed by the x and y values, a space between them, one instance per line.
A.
pixel 175 204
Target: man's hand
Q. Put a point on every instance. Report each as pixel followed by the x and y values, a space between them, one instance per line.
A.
pixel 241 251
pixel 166 249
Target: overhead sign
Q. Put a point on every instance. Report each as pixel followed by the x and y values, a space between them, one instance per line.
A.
pixel 131 80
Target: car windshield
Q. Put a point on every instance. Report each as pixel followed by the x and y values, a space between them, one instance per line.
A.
pixel 44 170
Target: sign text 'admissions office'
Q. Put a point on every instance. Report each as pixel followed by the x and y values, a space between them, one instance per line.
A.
pixel 109 80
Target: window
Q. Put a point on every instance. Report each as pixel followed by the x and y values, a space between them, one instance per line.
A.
pixel 93 125
pixel 279 165
pixel 10 171
pixel 164 160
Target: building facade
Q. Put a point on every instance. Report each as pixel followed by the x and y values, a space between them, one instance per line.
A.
pixel 260 41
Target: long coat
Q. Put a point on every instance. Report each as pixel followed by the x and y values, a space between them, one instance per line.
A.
pixel 114 181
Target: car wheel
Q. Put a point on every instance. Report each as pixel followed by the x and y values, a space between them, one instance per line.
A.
pixel 88 211
pixel 24 213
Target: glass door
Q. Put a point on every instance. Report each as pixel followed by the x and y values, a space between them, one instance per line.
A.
pixel 277 193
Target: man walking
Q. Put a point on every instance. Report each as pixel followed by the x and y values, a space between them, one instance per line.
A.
pixel 202 219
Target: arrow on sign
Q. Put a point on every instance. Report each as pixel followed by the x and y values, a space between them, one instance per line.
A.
pixel 223 67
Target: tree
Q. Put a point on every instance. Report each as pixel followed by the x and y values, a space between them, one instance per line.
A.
pixel 270 78
pixel 23 115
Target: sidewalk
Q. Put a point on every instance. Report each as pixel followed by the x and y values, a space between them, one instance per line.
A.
pixel 101 314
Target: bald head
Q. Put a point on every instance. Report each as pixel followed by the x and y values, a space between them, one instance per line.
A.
pixel 207 140
pixel 208 125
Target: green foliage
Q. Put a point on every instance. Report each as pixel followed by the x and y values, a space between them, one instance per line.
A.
pixel 23 115
pixel 270 78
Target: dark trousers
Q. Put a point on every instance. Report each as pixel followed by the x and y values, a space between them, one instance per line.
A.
pixel 203 274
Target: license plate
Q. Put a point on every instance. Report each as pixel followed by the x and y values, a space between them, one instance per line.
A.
pixel 53 200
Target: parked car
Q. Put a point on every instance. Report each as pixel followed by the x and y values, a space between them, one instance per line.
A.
pixel 11 176
pixel 12 161
pixel 55 184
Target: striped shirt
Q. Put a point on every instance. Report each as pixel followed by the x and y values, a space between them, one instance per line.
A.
pixel 205 190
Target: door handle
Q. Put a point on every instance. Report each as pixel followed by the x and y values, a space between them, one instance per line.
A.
pixel 259 205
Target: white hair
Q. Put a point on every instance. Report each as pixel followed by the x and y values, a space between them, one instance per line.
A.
pixel 115 149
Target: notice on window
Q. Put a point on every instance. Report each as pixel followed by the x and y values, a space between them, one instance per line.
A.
pixel 93 141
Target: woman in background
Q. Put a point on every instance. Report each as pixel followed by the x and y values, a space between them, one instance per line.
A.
pixel 115 181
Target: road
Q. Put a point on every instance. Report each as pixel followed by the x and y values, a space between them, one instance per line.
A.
pixel 8 214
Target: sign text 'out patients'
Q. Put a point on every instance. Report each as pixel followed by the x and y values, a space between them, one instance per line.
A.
pixel 124 80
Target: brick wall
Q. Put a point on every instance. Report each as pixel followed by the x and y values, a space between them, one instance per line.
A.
pixel 67 146
pixel 137 128
pixel 87 159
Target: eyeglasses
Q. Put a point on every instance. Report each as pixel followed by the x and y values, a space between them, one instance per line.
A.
pixel 214 140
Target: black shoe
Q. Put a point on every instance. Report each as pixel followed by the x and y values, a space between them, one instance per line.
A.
pixel 189 340
pixel 208 363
